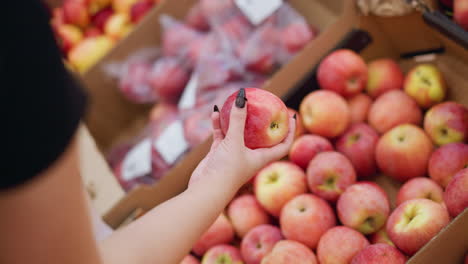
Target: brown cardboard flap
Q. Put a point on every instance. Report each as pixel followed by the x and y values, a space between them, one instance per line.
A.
pixel 449 246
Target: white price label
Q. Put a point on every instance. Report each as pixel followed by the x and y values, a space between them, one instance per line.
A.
pixel 137 163
pixel 171 143
pixel 258 10
pixel 188 96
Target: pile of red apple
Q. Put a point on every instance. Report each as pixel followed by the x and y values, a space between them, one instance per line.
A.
pixel 321 204
pixel 87 29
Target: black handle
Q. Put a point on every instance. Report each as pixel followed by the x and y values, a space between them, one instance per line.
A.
pixel 446 26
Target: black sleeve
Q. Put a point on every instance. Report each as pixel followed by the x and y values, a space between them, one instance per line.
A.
pixel 42 104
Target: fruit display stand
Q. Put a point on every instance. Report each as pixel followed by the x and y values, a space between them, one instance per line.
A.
pixel 112 118
pixel 408 39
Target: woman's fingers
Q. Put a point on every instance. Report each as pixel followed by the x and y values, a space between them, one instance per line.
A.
pixel 237 118
pixel 280 150
pixel 217 131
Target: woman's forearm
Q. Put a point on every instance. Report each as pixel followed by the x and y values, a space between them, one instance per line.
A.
pixel 166 233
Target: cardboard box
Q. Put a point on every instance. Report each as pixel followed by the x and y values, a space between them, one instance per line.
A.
pixel 400 38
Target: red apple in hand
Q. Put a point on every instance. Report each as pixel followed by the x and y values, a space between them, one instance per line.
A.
pixel 447 123
pixel 446 161
pixel 381 236
pixel 359 106
pixel 384 75
pixel 278 183
pixel 403 152
pixel 392 109
pixel 304 149
pixel 425 84
pixel 246 213
pixel 220 232
pixel 358 144
pixel 222 254
pixel 460 13
pixel 324 113
pixel 267 121
pixel 456 194
pixel 339 245
pixel 420 187
pixel 288 252
pixel 259 242
pixel 413 223
pixel 364 206
pixel 344 72
pixel 306 218
pixel 329 174
pixel 379 253
pixel 189 259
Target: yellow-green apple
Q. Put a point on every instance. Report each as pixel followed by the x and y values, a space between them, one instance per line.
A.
pixel 393 108
pixel 168 78
pixel 68 36
pixel 403 152
pixel 259 242
pixel 304 149
pixel 364 206
pixel 92 32
pixel 358 144
pixel 324 113
pixel 339 245
pixel 139 10
pixel 420 187
pixel 306 218
pixel 89 51
pixel 460 13
pixel 447 123
pixel 220 232
pixel 123 6
pixel 75 12
pixel 425 84
pixel 359 106
pixel 379 253
pixel 300 130
pixel 381 236
pixel 413 223
pixel 288 252
pixel 189 259
pixel 246 213
pixel 267 121
pixel 222 254
pixel 117 26
pixel 344 72
pixel 99 19
pixel 456 194
pixel 278 183
pixel 384 75
pixel 329 174
pixel 446 161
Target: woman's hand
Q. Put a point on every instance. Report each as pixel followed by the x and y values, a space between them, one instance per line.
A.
pixel 229 159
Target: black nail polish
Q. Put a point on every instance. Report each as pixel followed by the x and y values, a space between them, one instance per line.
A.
pixel 241 98
pixel 215 108
pixel 294 116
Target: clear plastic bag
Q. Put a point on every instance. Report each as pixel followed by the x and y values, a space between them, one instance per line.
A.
pixel 176 36
pixel 197 19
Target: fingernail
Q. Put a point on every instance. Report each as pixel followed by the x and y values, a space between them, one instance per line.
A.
pixel 215 108
pixel 294 116
pixel 240 99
